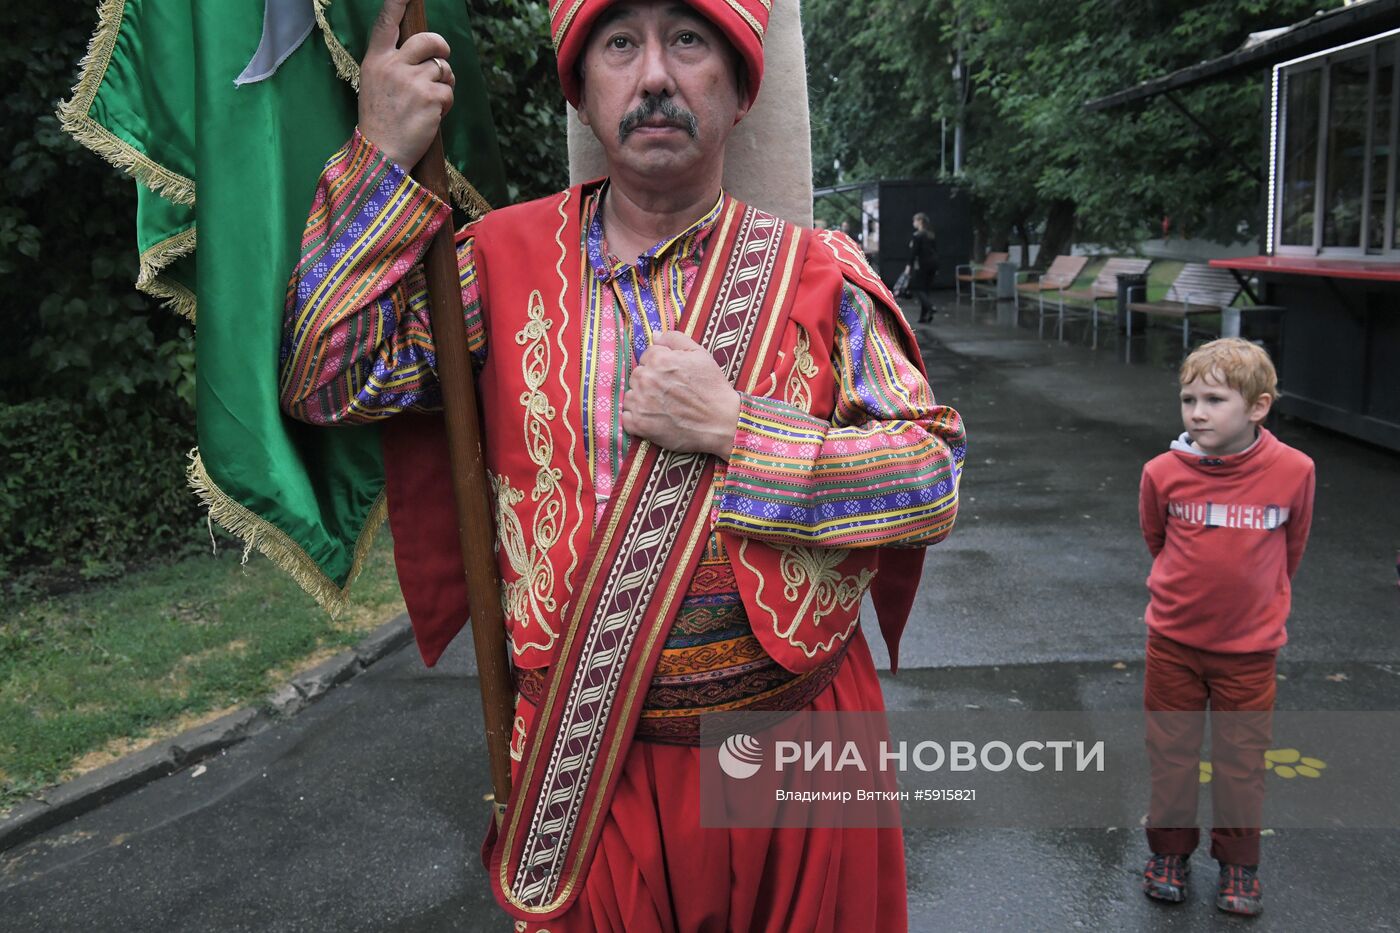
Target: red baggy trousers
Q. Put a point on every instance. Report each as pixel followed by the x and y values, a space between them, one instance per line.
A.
pixel 657 870
pixel 1182 679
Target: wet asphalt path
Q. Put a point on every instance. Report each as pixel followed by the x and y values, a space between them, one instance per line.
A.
pixel 364 812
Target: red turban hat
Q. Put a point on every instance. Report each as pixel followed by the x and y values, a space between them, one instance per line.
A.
pixel 743 23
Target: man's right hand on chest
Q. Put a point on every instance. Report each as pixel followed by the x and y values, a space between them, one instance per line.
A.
pixel 404 90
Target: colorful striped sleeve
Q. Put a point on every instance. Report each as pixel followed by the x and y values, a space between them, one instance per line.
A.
pixel 356 345
pixel 883 472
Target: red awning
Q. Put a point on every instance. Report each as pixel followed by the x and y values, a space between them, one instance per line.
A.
pixel 1372 271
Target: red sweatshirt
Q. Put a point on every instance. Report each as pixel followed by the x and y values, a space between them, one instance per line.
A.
pixel 1226 535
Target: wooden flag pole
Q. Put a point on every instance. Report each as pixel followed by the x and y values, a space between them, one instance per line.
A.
pixel 475 527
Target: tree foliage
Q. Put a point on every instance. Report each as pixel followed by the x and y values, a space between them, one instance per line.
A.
pixel 877 84
pixel 883 79
pixel 512 39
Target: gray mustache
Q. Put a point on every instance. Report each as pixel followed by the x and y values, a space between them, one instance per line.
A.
pixel 657 106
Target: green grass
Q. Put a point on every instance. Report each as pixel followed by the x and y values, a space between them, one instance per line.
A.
pixel 1160 276
pixel 87 675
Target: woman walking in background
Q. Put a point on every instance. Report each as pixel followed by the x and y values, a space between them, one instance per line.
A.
pixel 923 265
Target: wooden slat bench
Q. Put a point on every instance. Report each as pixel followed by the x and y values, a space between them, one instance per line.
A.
pixel 1061 274
pixel 983 272
pixel 1104 288
pixel 1198 289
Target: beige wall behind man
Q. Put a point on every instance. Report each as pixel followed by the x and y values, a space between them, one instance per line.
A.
pixel 768 162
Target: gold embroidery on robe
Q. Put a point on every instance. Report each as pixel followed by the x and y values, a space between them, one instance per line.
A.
pixel 517 734
pixel 529 599
pixel 812 579
pixel 563 371
pixel 804 369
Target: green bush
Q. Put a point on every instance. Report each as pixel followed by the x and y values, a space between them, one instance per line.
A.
pixel 82 496
pixel 512 39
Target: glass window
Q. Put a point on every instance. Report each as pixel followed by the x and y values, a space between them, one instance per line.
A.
pixel 1336 179
pixel 1303 94
pixel 1380 151
pixel 1390 57
pixel 1348 117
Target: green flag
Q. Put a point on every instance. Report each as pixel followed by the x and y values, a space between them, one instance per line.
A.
pixel 156 97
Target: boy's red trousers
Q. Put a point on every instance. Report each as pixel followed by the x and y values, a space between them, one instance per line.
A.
pixel 1180 678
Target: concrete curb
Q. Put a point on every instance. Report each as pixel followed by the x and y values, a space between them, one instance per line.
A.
pixel 73 798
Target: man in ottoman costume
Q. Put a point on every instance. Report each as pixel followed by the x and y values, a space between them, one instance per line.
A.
pixel 708 432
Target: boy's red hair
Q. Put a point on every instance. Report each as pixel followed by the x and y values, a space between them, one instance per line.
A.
pixel 1241 365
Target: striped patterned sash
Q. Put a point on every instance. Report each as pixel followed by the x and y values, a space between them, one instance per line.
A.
pixel 631 584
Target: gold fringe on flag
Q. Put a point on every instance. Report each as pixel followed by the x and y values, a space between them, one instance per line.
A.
pixel 464 195
pixel 149 280
pixel 345 64
pixel 74 114
pixel 276 546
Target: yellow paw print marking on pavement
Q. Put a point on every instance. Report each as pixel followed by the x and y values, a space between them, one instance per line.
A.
pixel 1287 763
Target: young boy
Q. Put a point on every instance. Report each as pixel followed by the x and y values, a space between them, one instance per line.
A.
pixel 1226 514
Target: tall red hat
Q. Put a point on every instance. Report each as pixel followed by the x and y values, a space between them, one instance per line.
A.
pixel 743 22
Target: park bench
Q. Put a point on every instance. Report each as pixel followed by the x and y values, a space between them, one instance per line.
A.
pixel 1198 289
pixel 1104 288
pixel 1061 275
pixel 985 271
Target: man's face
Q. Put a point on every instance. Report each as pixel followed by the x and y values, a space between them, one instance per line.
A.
pixel 660 89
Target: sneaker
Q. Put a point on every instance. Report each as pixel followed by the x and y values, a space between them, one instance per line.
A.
pixel 1239 891
pixel 1164 878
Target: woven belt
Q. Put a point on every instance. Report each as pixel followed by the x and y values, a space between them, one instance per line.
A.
pixel 711 663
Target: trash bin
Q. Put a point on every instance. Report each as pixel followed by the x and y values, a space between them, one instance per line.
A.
pixel 1131 287
pixel 1006 281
